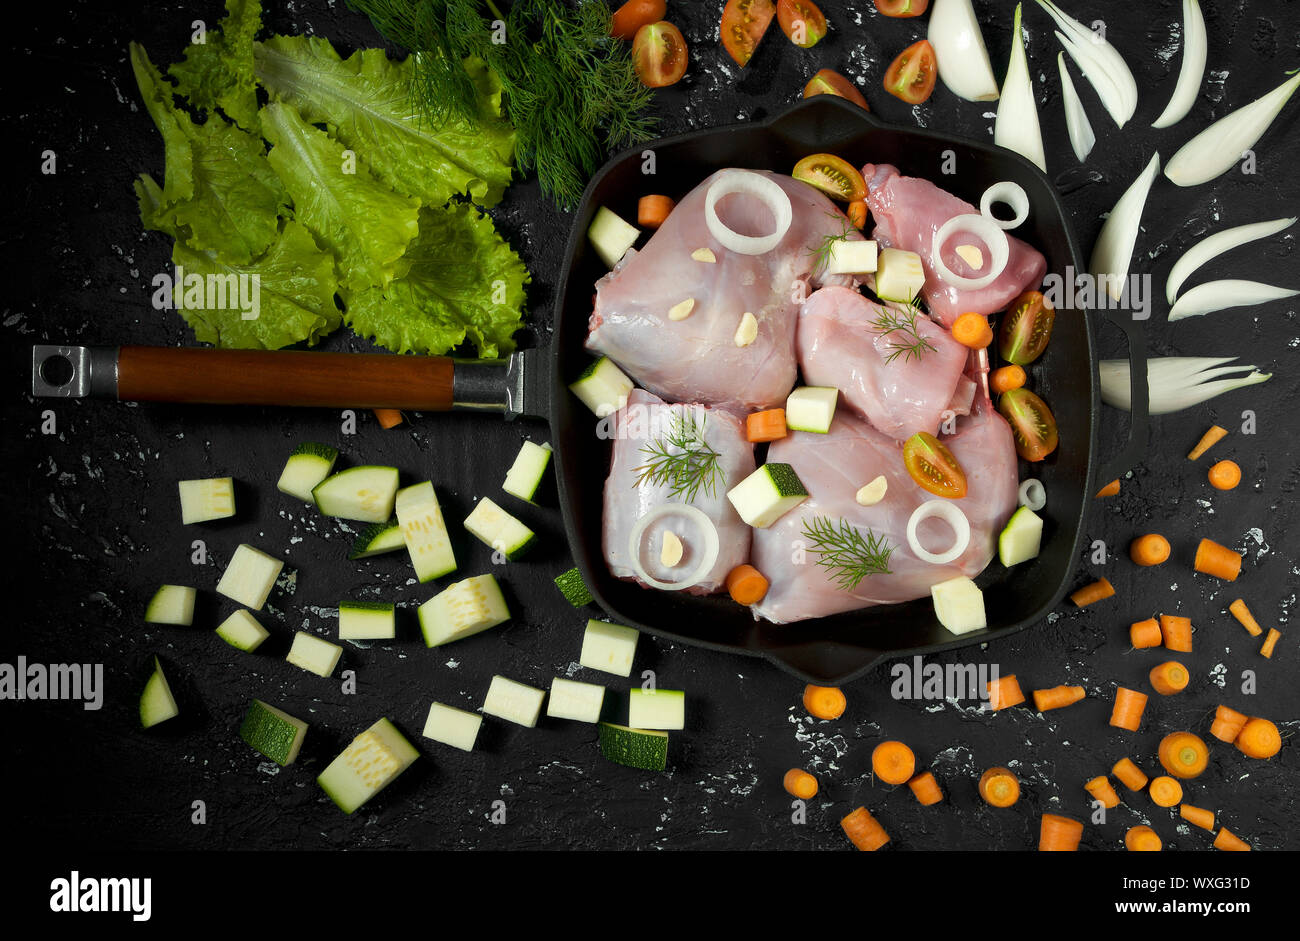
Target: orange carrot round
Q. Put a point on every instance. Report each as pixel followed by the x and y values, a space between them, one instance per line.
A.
pixel 1259 738
pixel 972 330
pixel 1242 614
pixel 1110 489
pixel 824 702
pixel 1089 594
pixel 1151 549
pixel 1006 378
pixel 926 789
pixel 1219 561
pixel 799 783
pixel 999 787
pixel 1266 649
pixel 1145 633
pixel 1169 678
pixel 1142 839
pixel 652 210
pixel 767 425
pixel 1057 696
pixel 1005 692
pixel 746 585
pixel 893 762
pixel 1227 724
pixel 1100 788
pixel 857 213
pixel 1059 834
pixel 1129 774
pixel 1165 791
pixel 864 831
pixel 1227 840
pixel 1183 754
pixel 1224 475
pixel 1177 632
pixel 1197 816
pixel 1128 709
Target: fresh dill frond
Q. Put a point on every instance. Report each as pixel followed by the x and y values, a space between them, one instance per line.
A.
pixel 682 459
pixel 821 252
pixel 846 554
pixel 908 343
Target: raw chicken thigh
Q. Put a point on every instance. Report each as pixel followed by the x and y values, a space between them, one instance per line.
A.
pixel 908 211
pixel 645 420
pixel 833 466
pixel 841 344
pixel 696 358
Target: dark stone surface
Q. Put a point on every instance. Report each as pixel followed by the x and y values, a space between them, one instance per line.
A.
pixel 95 518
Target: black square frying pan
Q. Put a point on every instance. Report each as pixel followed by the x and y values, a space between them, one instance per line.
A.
pixel 827 651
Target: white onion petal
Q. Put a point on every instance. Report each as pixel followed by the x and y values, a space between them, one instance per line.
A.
pixel 1076 119
pixel 1016 125
pixel 1219 295
pixel 1174 382
pixel 1113 250
pixel 1013 194
pixel 984 228
pixel 1100 62
pixel 708 557
pixel 1216 245
pixel 753 184
pixel 1218 147
pixel 1033 494
pixel 1192 69
pixel 959 51
pixel 950 513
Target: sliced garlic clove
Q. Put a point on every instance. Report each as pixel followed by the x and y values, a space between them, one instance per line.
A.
pixel 683 310
pixel 971 255
pixel 705 255
pixel 747 332
pixel 873 492
pixel 670 551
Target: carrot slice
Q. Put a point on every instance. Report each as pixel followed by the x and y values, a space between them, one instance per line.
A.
pixel 1259 738
pixel 893 762
pixel 1110 489
pixel 1142 839
pixel 1128 709
pixel 926 789
pixel 1059 834
pixel 746 585
pixel 1057 696
pixel 1227 724
pixel 1270 642
pixel 1208 440
pixel 767 425
pixel 1242 614
pixel 1169 678
pixel 864 831
pixel 1005 692
pixel 1145 633
pixel 1197 816
pixel 1151 549
pixel 799 783
pixel 1227 840
pixel 1183 754
pixel 1006 378
pixel 1101 789
pixel 1165 791
pixel 1219 561
pixel 857 213
pixel 389 417
pixel 1177 632
pixel 1129 774
pixel 824 702
pixel 999 787
pixel 1088 594
pixel 1224 475
pixel 652 210
pixel 972 330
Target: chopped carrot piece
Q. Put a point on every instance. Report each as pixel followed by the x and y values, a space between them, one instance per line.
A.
pixel 972 330
pixel 652 210
pixel 1270 642
pixel 1183 754
pixel 926 789
pixel 799 783
pixel 1059 834
pixel 389 417
pixel 1110 489
pixel 1208 440
pixel 1165 791
pixel 999 787
pixel 824 702
pixel 1142 839
pixel 864 831
pixel 1259 738
pixel 1005 692
pixel 1224 475
pixel 857 213
pixel 1227 724
pixel 1197 816
pixel 1169 678
pixel 1242 614
pixel 1177 632
pixel 1101 789
pixel 1145 633
pixel 1129 774
pixel 1057 696
pixel 893 762
pixel 1151 549
pixel 746 585
pixel 1006 378
pixel 767 425
pixel 1219 561
pixel 1128 709
pixel 1227 840
pixel 1088 594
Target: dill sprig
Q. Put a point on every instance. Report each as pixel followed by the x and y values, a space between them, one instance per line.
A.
pixel 821 252
pixel 909 343
pixel 681 458
pixel 846 554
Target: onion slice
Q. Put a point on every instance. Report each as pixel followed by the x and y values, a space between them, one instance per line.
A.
pixel 1013 194
pixel 1100 62
pixel 1113 250
pixel 959 51
pixel 1216 245
pixel 1076 119
pixel 1218 147
pixel 994 239
pixel 1033 494
pixel 753 184
pixel 1175 382
pixel 1016 125
pixel 707 558
pixel 1192 69
pixel 1219 295
pixel 950 513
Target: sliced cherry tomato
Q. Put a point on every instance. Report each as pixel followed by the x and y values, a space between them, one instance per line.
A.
pixel 1032 424
pixel 1026 328
pixel 801 22
pixel 830 82
pixel 911 76
pixel 933 467
pixel 835 177
pixel 902 8
pixel 659 53
pixel 634 14
pixel 743 24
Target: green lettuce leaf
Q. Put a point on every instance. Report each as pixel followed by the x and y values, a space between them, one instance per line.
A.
pixel 218 72
pixel 364 223
pixel 157 95
pixel 367 102
pixel 295 294
pixel 464 283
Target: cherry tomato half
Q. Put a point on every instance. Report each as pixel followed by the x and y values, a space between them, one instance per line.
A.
pixel 743 24
pixel 634 14
pixel 835 177
pixel 659 54
pixel 911 76
pixel 933 467
pixel 1026 328
pixel 830 82
pixel 1032 424
pixel 902 8
pixel 801 22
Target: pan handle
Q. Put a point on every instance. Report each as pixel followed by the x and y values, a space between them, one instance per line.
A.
pixel 1134 450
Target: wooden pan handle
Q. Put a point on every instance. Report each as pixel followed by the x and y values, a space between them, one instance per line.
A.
pixel 284 377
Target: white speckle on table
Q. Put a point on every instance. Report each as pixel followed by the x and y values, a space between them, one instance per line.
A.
pixel 452 664
pixel 1219 675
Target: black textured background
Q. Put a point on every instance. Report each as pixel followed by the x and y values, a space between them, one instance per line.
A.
pixel 94 526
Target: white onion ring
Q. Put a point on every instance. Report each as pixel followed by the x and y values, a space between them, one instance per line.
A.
pixel 954 517
pixel 707 559
pixel 755 184
pixel 1033 494
pixel 994 239
pixel 1013 194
